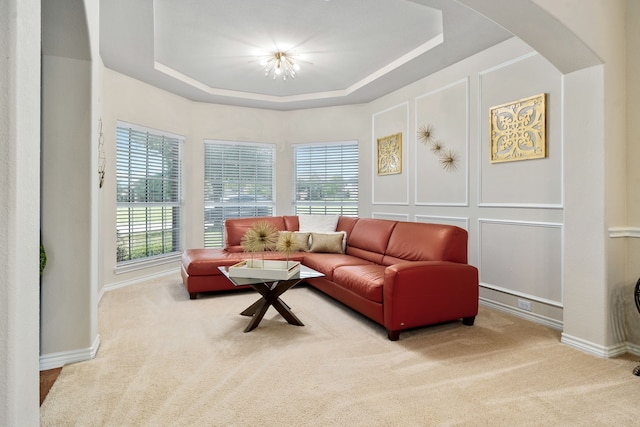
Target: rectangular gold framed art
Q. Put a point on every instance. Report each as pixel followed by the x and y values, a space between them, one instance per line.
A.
pixel 518 130
pixel 390 154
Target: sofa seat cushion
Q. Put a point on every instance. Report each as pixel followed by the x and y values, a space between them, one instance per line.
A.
pixel 205 262
pixel 364 280
pixel 326 263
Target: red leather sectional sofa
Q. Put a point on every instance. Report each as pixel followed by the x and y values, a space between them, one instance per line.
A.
pixel 400 274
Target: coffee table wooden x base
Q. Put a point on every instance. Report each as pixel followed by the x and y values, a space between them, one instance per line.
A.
pixel 271 297
pixel 271 291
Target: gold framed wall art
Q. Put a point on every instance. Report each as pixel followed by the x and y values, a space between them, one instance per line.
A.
pixel 390 154
pixel 518 130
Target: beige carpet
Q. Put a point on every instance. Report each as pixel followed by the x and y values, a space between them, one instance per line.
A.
pixel 169 361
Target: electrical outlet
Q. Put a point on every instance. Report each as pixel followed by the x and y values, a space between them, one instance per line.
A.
pixel 525 305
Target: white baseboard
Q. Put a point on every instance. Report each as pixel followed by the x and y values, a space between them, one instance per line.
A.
pixel 56 360
pixel 137 280
pixel 633 349
pixel 527 315
pixel 577 343
pixel 595 349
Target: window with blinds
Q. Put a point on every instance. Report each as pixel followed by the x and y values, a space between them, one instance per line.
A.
pixel 238 183
pixel 148 168
pixel 326 178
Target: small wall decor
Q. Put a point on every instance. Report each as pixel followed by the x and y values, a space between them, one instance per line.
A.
pixel 436 146
pixel 390 154
pixel 425 134
pixel 448 158
pixel 518 130
pixel 101 156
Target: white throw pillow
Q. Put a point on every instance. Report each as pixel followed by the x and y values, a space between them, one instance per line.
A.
pixel 318 223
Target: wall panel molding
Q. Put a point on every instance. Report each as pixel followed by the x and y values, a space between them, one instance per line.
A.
pixel 527 315
pixel 540 183
pixel 616 232
pixel 390 216
pixel 522 258
pixel 462 222
pixel 521 205
pixel 391 189
pixel 447 110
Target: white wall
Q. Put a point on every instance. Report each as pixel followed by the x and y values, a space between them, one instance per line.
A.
pixel 577 38
pixel 208 121
pixel 488 200
pixel 633 171
pixel 599 123
pixel 590 315
pixel 69 215
pixel 590 274
pixel 132 101
pixel 129 100
pixel 346 123
pixel 19 210
pixel 66 217
pixel 506 207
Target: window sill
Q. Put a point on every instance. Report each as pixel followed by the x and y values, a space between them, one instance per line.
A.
pixel 147 263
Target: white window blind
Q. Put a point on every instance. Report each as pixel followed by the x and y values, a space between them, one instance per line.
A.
pixel 326 178
pixel 238 183
pixel 149 174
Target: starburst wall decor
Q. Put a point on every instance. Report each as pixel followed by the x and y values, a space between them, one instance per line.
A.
pixel 448 158
pixel 425 134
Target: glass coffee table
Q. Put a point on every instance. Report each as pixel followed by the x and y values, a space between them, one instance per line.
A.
pixel 271 290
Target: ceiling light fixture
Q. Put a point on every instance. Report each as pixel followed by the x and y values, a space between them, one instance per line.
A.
pixel 281 64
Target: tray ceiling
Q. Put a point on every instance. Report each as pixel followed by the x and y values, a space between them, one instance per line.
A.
pixel 350 51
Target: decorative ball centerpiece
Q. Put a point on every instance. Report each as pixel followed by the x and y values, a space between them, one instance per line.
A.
pixel 263 236
pixel 260 237
pixel 287 243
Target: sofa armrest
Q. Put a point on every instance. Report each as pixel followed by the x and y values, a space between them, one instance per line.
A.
pixel 425 292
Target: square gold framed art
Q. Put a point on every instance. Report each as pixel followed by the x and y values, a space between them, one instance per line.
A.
pixel 518 130
pixel 390 154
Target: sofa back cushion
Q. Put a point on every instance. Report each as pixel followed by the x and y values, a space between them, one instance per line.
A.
pixel 236 228
pixel 415 241
pixel 291 222
pixel 369 238
pixel 346 223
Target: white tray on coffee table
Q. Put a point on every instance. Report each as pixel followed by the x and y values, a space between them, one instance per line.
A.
pixel 265 269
